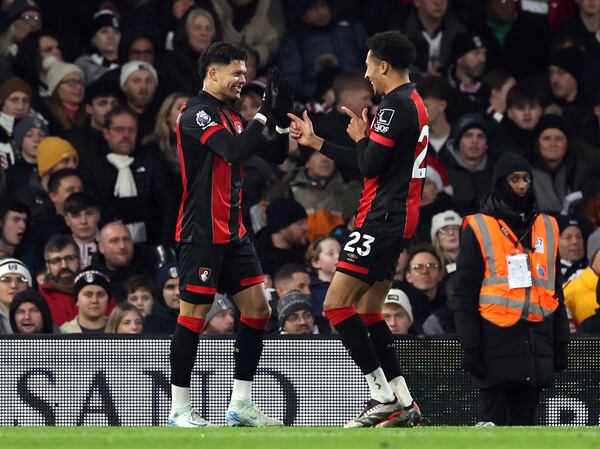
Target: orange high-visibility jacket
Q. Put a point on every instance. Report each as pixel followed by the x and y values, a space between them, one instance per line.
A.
pixel 497 302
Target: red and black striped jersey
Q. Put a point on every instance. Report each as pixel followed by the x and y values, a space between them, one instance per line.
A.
pixel 212 146
pixel 392 160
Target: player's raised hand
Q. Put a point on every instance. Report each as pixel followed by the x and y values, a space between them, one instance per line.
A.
pixel 284 103
pixel 358 126
pixel 302 130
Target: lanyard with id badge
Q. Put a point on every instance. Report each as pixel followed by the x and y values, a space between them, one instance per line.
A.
pixel 519 274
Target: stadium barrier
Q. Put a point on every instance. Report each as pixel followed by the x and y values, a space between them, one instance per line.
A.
pixel 124 381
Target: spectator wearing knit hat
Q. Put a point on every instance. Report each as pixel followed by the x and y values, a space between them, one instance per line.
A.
pixel 164 314
pixel 557 172
pixel 139 80
pixel 467 65
pixel 23 17
pixel 28 134
pixel 436 197
pixel 15 103
pixel 445 237
pixel 92 293
pixel 64 107
pixel 220 317
pixel 105 37
pixel 296 315
pixel 29 314
pixel 14 278
pixel 283 240
pixel 468 162
pixel 566 68
pixel 397 312
pixel 571 247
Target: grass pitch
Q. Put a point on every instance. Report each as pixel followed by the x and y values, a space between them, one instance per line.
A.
pixel 299 438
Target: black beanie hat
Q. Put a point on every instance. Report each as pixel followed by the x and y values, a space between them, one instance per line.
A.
pixel 90 276
pixel 283 212
pixel 34 297
pixel 571 60
pixel 508 163
pixel 105 18
pixel 549 121
pixel 18 7
pixel 565 221
pixel 466 122
pixel 465 42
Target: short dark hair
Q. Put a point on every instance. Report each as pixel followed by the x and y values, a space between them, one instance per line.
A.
pixel 220 53
pixel 10 204
pixel 79 201
pixel 434 87
pixel 116 111
pixel 57 177
pixel 522 94
pixel 422 248
pixel 102 88
pixel 392 47
pixel 138 281
pixel 495 79
pixel 286 272
pixel 59 242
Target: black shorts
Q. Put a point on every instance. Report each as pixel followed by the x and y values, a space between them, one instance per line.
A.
pixel 205 269
pixel 370 256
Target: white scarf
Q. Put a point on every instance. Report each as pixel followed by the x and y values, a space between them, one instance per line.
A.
pixel 125 185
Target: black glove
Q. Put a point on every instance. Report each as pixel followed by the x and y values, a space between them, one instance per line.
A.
pixel 561 358
pixel 472 363
pixel 270 94
pixel 284 103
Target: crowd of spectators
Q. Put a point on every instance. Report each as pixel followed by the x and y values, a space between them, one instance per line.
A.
pixel 89 169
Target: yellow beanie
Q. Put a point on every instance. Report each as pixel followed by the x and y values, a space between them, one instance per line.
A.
pixel 51 151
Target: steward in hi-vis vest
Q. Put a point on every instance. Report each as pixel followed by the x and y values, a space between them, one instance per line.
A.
pixel 507 302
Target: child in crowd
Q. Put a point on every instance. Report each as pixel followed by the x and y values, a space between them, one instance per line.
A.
pixel 321 258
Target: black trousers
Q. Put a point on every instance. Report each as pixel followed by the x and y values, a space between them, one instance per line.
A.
pixel 509 406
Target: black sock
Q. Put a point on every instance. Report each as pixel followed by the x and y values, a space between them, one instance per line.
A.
pixel 383 342
pixel 184 347
pixel 247 351
pixel 356 340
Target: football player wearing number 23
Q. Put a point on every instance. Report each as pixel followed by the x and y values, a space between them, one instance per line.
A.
pixel 390 153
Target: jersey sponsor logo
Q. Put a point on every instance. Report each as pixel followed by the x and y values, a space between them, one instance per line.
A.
pixel 204 274
pixel 204 120
pixel 384 118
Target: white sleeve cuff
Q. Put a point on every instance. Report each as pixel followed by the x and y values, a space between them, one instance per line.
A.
pixel 282 130
pixel 262 118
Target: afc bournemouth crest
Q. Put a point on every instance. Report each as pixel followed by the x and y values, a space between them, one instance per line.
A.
pixel 204 274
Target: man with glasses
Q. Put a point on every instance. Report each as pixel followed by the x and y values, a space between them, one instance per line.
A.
pixel 14 278
pixel 131 184
pixel 61 255
pixel 424 273
pixel 508 300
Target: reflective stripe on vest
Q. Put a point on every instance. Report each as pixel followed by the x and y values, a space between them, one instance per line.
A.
pixel 497 302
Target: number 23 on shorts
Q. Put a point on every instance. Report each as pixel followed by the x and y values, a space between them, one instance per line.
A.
pixel 359 243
